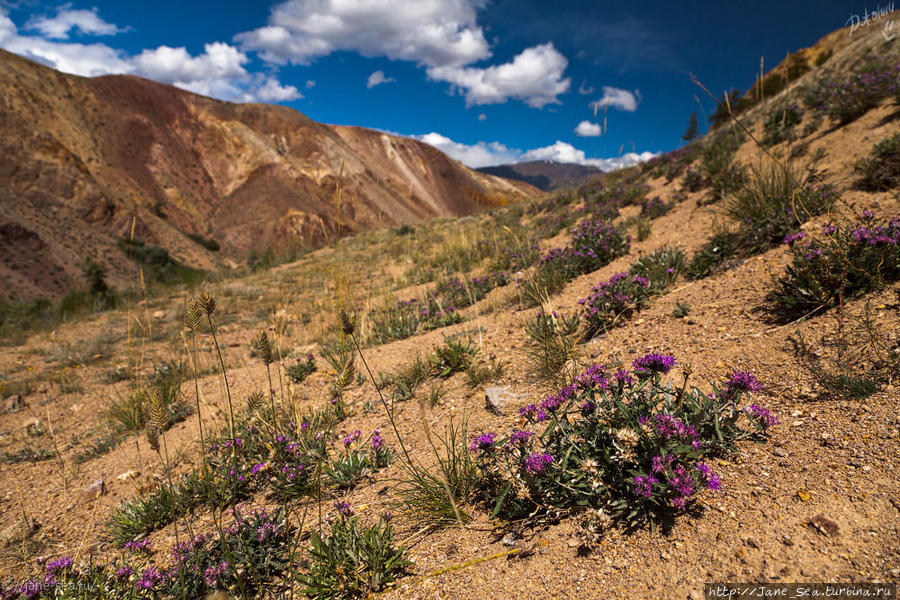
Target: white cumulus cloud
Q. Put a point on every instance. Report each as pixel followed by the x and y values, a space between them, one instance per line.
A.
pixel 377 78
pixel 86 22
pixel 441 35
pixel 480 154
pixel 218 71
pixel 487 154
pixel 616 98
pixel 429 32
pixel 587 129
pixel 535 76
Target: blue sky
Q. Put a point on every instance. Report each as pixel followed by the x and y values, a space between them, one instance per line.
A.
pixel 488 82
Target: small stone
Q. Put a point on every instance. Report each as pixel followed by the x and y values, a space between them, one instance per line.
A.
pixel 129 474
pixel 752 542
pixel 510 539
pixel 158 314
pixel 93 491
pixel 780 453
pixel 496 398
pixel 33 427
pixel 804 495
pixel 786 540
pixel 824 525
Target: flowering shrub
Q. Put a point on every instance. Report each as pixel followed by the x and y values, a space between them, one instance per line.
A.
pixel 779 124
pixel 613 301
pixel 881 169
pixel 847 260
pixel 655 207
pixel 597 243
pixel 846 99
pixel 623 443
pixel 249 559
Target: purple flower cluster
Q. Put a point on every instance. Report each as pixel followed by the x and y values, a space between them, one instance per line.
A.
pixel 741 382
pixel 681 482
pixel 520 437
pixel 377 440
pixel 711 479
pixel 623 377
pixel 213 574
pixel 793 237
pixel 765 418
pixel 620 296
pixel 343 507
pixel 533 413
pixel 143 546
pixel 150 578
pixel 653 363
pixel 483 442
pixel 536 463
pixel 669 427
pixel 643 485
pixel 60 564
pixel 352 437
pixel 594 377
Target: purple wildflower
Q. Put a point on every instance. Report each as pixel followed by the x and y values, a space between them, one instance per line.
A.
pixel 213 574
pixel 763 415
pixel 483 442
pixel 653 363
pixel 139 546
pixel 643 485
pixel 793 237
pixel 150 578
pixel 623 377
pixel 536 463
pixel 124 573
pixel 740 382
pixel 343 507
pixel 520 437
pixel 60 564
pixel 712 480
pixel 377 440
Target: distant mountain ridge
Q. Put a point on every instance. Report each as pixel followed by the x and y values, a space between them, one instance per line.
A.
pixel 85 160
pixel 544 174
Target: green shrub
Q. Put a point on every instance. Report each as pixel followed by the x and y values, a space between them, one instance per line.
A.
pixel 780 122
pixel 301 369
pixel 552 347
pixel 661 267
pixel 352 561
pixel 881 169
pixel 453 356
pixel 437 496
pixel 846 261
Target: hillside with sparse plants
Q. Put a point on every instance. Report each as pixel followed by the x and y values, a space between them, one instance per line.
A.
pixel 681 372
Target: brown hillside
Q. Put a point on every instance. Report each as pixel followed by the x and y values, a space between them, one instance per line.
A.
pixel 80 159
